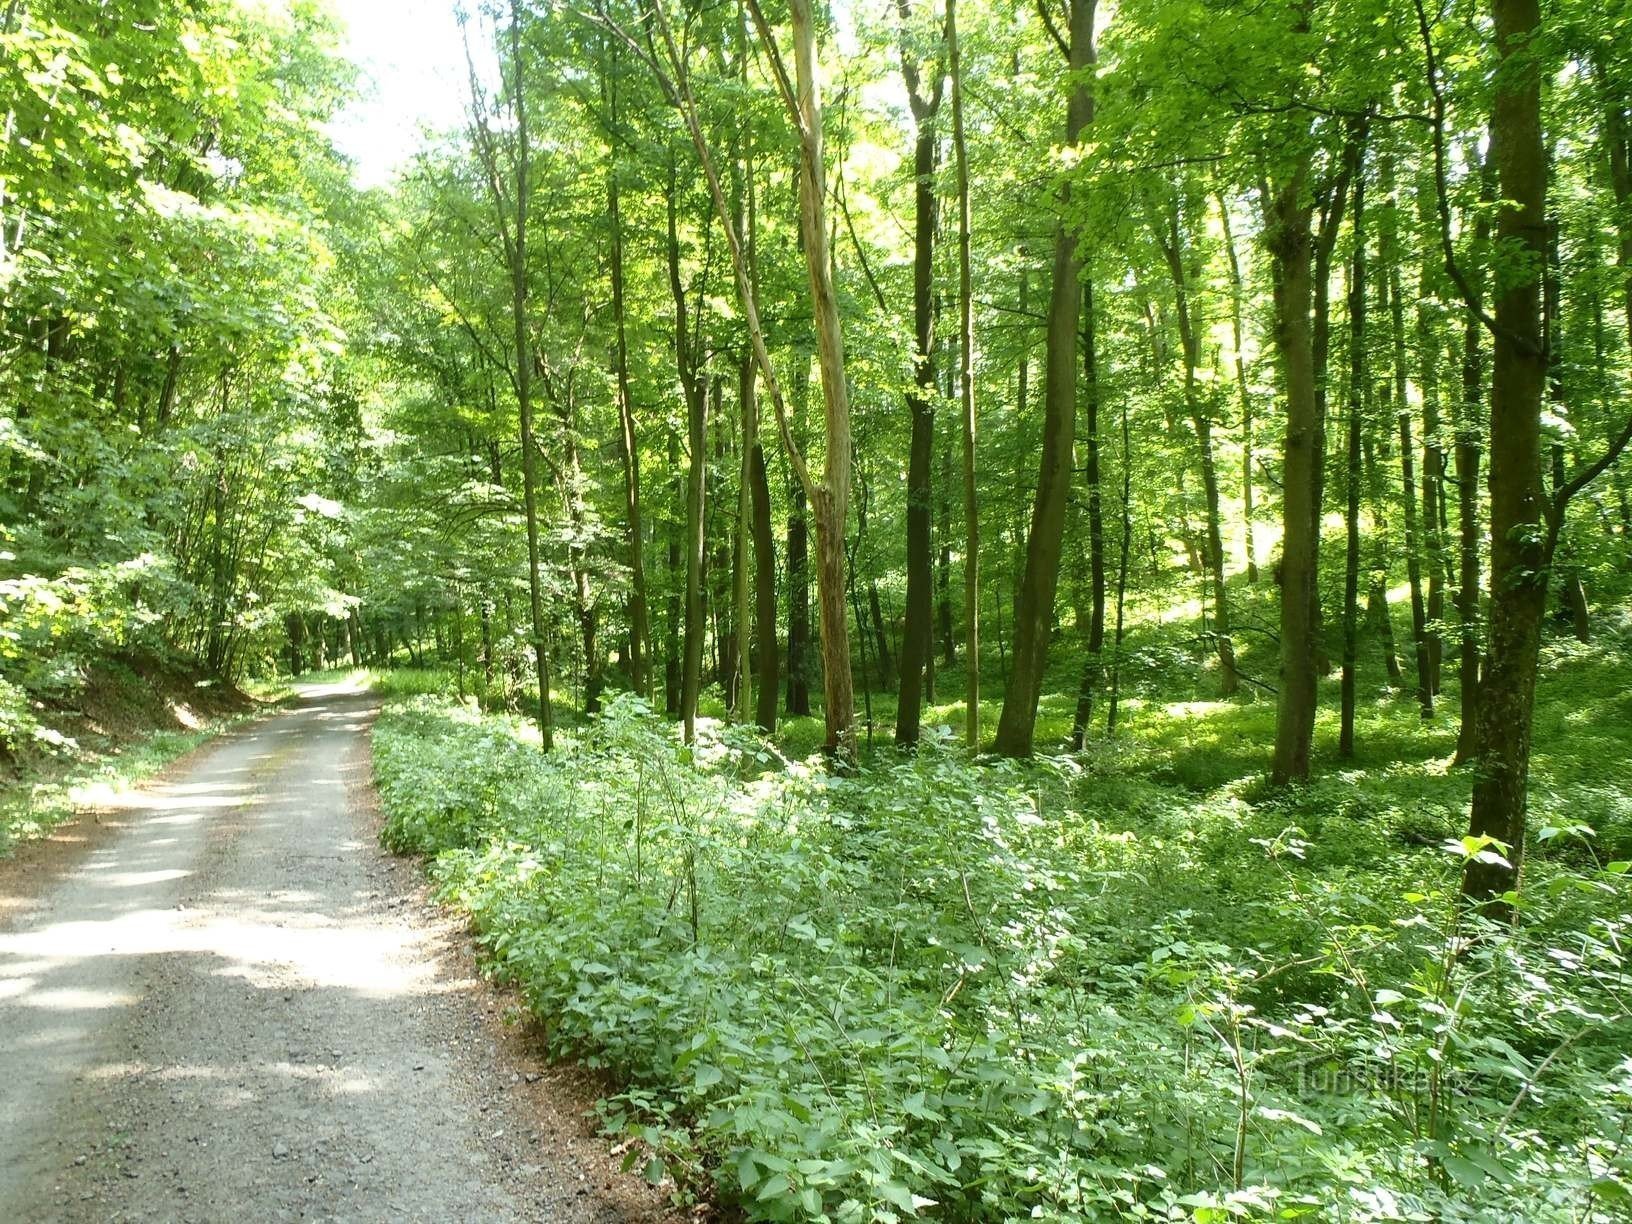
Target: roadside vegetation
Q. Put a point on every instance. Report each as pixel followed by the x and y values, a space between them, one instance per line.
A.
pixel 1136 982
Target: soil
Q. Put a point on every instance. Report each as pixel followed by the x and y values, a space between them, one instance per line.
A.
pixel 222 999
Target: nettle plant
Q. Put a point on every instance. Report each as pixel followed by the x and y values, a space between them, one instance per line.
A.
pixel 939 988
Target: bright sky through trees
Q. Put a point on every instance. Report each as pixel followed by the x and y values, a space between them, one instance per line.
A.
pixel 412 78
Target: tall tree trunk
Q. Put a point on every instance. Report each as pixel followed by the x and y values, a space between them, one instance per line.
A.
pixel 966 396
pixel 1034 607
pixel 766 696
pixel 691 678
pixel 1236 295
pixel 1289 239
pixel 694 385
pixel 1170 236
pixel 917 635
pixel 1518 587
pixel 513 232
pixel 1093 664
pixel 830 496
pixel 1389 251
pixel 798 558
pixel 1469 433
pixel 748 404
pixel 1413 569
pixel 1351 516
pixel 675 567
pixel 1302 274
pixel 1429 354
pixel 640 629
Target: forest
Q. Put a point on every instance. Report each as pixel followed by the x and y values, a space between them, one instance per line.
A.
pixel 995 611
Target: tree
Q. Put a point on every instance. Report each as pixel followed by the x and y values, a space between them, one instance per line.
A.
pixel 1034 603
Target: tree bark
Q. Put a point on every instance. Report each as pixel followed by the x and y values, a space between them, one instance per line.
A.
pixel 798 558
pixel 966 397
pixel 640 629
pixel 1236 295
pixel 917 635
pixel 1093 664
pixel 1170 237
pixel 1289 239
pixel 1518 586
pixel 1413 570
pixel 1351 517
pixel 1034 607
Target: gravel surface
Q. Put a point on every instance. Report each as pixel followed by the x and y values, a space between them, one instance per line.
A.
pixel 221 1000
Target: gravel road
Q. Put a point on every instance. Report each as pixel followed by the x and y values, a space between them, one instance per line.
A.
pixel 220 1000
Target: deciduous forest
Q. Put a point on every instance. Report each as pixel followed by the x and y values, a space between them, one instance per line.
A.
pixel 995 611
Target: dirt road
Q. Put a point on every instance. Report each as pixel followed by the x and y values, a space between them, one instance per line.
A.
pixel 222 1001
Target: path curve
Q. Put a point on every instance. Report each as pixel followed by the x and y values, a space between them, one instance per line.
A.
pixel 222 1000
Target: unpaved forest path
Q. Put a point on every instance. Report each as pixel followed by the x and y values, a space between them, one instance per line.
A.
pixel 222 1001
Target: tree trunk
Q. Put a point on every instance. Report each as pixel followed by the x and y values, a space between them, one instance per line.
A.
pixel 1034 607
pixel 674 612
pixel 748 404
pixel 917 635
pixel 640 629
pixel 966 397
pixel 798 559
pixel 1518 587
pixel 1351 516
pixel 1093 664
pixel 694 385
pixel 764 588
pixel 1468 436
pixel 1170 236
pixel 1413 569
pixel 829 497
pixel 1236 295
pixel 1289 239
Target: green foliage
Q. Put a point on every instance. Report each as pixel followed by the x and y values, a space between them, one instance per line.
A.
pixel 1072 990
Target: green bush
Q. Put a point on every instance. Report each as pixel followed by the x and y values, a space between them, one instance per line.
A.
pixel 1002 993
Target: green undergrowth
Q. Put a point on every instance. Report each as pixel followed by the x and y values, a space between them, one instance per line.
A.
pixel 1131 984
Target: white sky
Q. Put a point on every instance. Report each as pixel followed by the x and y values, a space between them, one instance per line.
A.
pixel 413 75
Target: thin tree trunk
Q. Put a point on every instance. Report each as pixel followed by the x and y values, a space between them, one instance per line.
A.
pixel 1351 517
pixel 1170 236
pixel 675 567
pixel 966 396
pixel 640 630
pixel 1034 608
pixel 764 586
pixel 1121 572
pixel 1413 569
pixel 1093 664
pixel 798 558
pixel 1236 295
pixel 917 636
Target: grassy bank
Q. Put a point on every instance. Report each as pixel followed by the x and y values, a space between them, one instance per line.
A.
pixel 128 721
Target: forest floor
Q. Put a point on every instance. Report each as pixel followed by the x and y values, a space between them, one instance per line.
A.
pixel 221 997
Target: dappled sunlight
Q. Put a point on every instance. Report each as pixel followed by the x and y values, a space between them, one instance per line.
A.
pixel 75 1000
